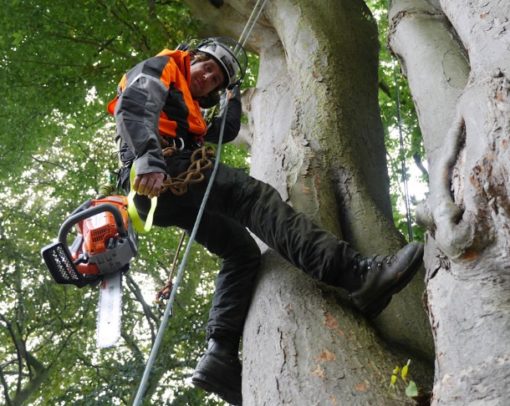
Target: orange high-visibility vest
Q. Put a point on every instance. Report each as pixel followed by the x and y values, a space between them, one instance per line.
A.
pixel 181 115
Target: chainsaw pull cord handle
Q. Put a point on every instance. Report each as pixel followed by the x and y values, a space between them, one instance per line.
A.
pixel 81 215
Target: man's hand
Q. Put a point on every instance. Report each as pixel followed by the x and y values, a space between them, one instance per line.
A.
pixel 234 93
pixel 149 184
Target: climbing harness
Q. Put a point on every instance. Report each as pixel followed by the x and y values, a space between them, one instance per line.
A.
pixel 180 273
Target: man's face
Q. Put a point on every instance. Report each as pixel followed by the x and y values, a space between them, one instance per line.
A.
pixel 205 77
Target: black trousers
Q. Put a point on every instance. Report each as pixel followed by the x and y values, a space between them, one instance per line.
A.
pixel 238 201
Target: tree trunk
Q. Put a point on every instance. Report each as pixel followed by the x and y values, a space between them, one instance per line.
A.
pixel 318 138
pixel 456 58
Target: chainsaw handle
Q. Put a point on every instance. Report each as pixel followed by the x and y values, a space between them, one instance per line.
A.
pixel 89 212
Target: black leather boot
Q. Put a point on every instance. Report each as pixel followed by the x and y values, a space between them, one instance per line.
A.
pixel 219 371
pixel 382 277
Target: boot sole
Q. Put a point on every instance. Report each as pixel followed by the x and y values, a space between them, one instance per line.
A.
pixel 211 385
pixel 375 308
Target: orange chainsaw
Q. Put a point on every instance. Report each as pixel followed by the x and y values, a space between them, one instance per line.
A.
pixel 100 254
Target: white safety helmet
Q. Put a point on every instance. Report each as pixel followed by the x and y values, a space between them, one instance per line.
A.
pixel 230 56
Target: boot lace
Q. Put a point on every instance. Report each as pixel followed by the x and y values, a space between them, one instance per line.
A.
pixel 376 262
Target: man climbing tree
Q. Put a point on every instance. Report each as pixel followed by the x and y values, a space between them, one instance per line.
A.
pixel 160 127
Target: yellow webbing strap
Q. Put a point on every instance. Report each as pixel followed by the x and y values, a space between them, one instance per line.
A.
pixel 138 223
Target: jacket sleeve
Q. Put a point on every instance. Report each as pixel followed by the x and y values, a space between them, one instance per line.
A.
pixel 232 122
pixel 137 117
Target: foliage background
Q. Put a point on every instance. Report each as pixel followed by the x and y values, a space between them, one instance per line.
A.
pixel 59 65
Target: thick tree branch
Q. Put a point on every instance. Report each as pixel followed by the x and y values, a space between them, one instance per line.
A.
pixel 419 163
pixel 99 44
pixel 47 162
pixel 97 368
pixel 42 372
pixel 383 86
pixel 150 316
pixel 92 42
pixel 453 235
pixel 6 388
pixel 100 119
pixel 126 22
pixel 18 350
pixel 132 345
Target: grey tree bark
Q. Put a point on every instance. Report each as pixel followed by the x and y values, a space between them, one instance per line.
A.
pixel 317 137
pixel 456 57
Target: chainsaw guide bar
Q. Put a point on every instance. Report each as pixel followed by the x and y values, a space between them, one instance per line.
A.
pixel 109 311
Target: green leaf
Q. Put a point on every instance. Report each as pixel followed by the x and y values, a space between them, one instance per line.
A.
pixel 17 38
pixel 411 390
